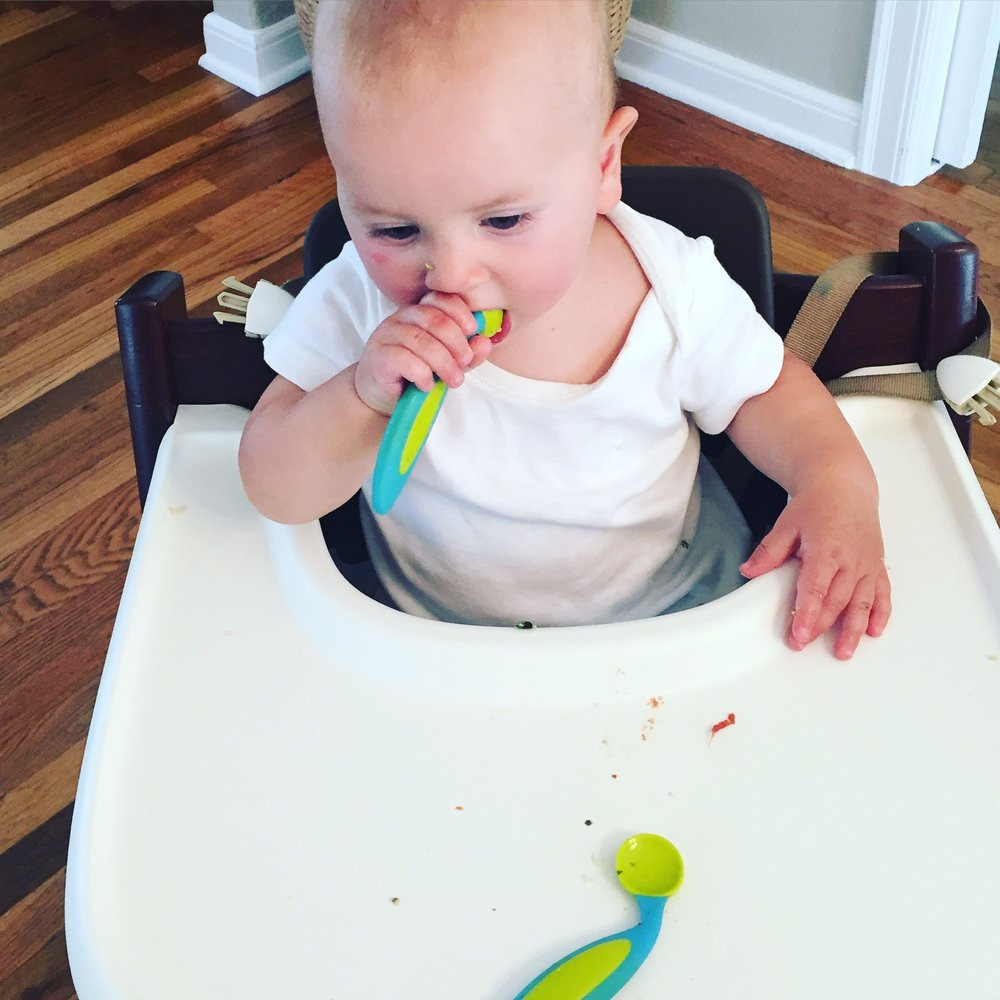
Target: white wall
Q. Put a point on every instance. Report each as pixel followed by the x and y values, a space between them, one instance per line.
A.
pixel 253 14
pixel 821 42
pixel 793 70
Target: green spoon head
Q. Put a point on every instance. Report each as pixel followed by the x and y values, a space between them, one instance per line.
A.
pixel 649 865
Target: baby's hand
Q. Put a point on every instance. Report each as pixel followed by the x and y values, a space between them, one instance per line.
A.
pixel 415 344
pixel 834 530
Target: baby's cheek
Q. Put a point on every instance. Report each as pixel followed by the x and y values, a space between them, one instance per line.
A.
pixel 546 283
pixel 395 280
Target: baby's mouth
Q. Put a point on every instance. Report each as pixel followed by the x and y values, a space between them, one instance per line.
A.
pixel 504 330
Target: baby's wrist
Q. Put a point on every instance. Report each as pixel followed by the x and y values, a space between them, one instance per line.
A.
pixel 381 407
pixel 834 475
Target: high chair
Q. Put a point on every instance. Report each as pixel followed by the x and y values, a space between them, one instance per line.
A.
pixel 291 790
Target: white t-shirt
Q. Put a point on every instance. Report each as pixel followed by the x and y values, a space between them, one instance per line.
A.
pixel 556 503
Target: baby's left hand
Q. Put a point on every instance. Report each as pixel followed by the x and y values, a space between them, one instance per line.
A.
pixel 834 530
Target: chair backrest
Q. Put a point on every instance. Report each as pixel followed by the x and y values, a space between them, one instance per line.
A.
pixel 926 312
pixel 708 201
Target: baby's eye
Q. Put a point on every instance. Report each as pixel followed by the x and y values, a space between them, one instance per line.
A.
pixel 504 222
pixel 398 234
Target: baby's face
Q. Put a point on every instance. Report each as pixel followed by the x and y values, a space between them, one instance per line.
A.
pixel 492 176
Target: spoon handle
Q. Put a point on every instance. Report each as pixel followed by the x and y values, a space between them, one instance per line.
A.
pixel 402 442
pixel 598 970
pixel 409 426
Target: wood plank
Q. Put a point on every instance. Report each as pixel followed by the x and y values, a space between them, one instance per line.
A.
pixel 37 918
pixel 34 859
pixel 21 21
pixel 50 675
pixel 39 352
pixel 55 482
pixel 174 63
pixel 53 569
pixel 43 976
pixel 102 59
pixel 44 793
pixel 59 263
pixel 69 156
pixel 95 194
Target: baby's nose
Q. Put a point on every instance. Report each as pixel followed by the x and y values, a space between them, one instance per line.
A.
pixel 453 270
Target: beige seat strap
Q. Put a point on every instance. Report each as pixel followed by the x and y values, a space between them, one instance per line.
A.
pixel 821 311
pixel 828 298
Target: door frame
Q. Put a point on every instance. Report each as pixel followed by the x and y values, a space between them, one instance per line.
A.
pixel 929 68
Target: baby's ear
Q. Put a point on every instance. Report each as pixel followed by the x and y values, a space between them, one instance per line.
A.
pixel 618 127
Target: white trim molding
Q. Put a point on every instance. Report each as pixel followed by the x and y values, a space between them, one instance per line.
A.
pixel 780 107
pixel 257 60
pixel 967 90
pixel 911 50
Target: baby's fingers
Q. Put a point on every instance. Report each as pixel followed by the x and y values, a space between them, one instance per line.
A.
pixel 481 348
pixel 855 621
pixel 775 549
pixel 820 595
pixel 866 614
pixel 881 606
pixel 435 343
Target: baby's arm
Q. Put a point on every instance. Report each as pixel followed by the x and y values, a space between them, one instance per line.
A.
pixel 795 434
pixel 304 453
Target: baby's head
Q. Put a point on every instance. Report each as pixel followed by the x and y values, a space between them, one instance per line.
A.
pixel 384 44
pixel 477 136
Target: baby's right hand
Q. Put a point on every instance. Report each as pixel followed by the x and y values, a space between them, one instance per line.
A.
pixel 415 344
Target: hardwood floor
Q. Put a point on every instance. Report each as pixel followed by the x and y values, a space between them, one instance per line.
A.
pixel 119 155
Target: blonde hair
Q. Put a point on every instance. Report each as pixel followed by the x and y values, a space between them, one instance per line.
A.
pixel 368 35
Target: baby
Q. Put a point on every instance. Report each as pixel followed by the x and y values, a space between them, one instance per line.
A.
pixel 477 148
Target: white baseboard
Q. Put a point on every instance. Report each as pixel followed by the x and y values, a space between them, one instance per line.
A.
pixel 256 60
pixel 780 107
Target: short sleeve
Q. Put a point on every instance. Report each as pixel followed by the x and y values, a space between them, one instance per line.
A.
pixel 328 324
pixel 727 351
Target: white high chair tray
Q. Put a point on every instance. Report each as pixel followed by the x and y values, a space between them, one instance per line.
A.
pixel 290 791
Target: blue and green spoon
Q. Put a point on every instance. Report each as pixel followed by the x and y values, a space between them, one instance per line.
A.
pixel 651 869
pixel 410 425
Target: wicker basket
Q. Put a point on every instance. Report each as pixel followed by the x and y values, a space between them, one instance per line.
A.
pixel 618 12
